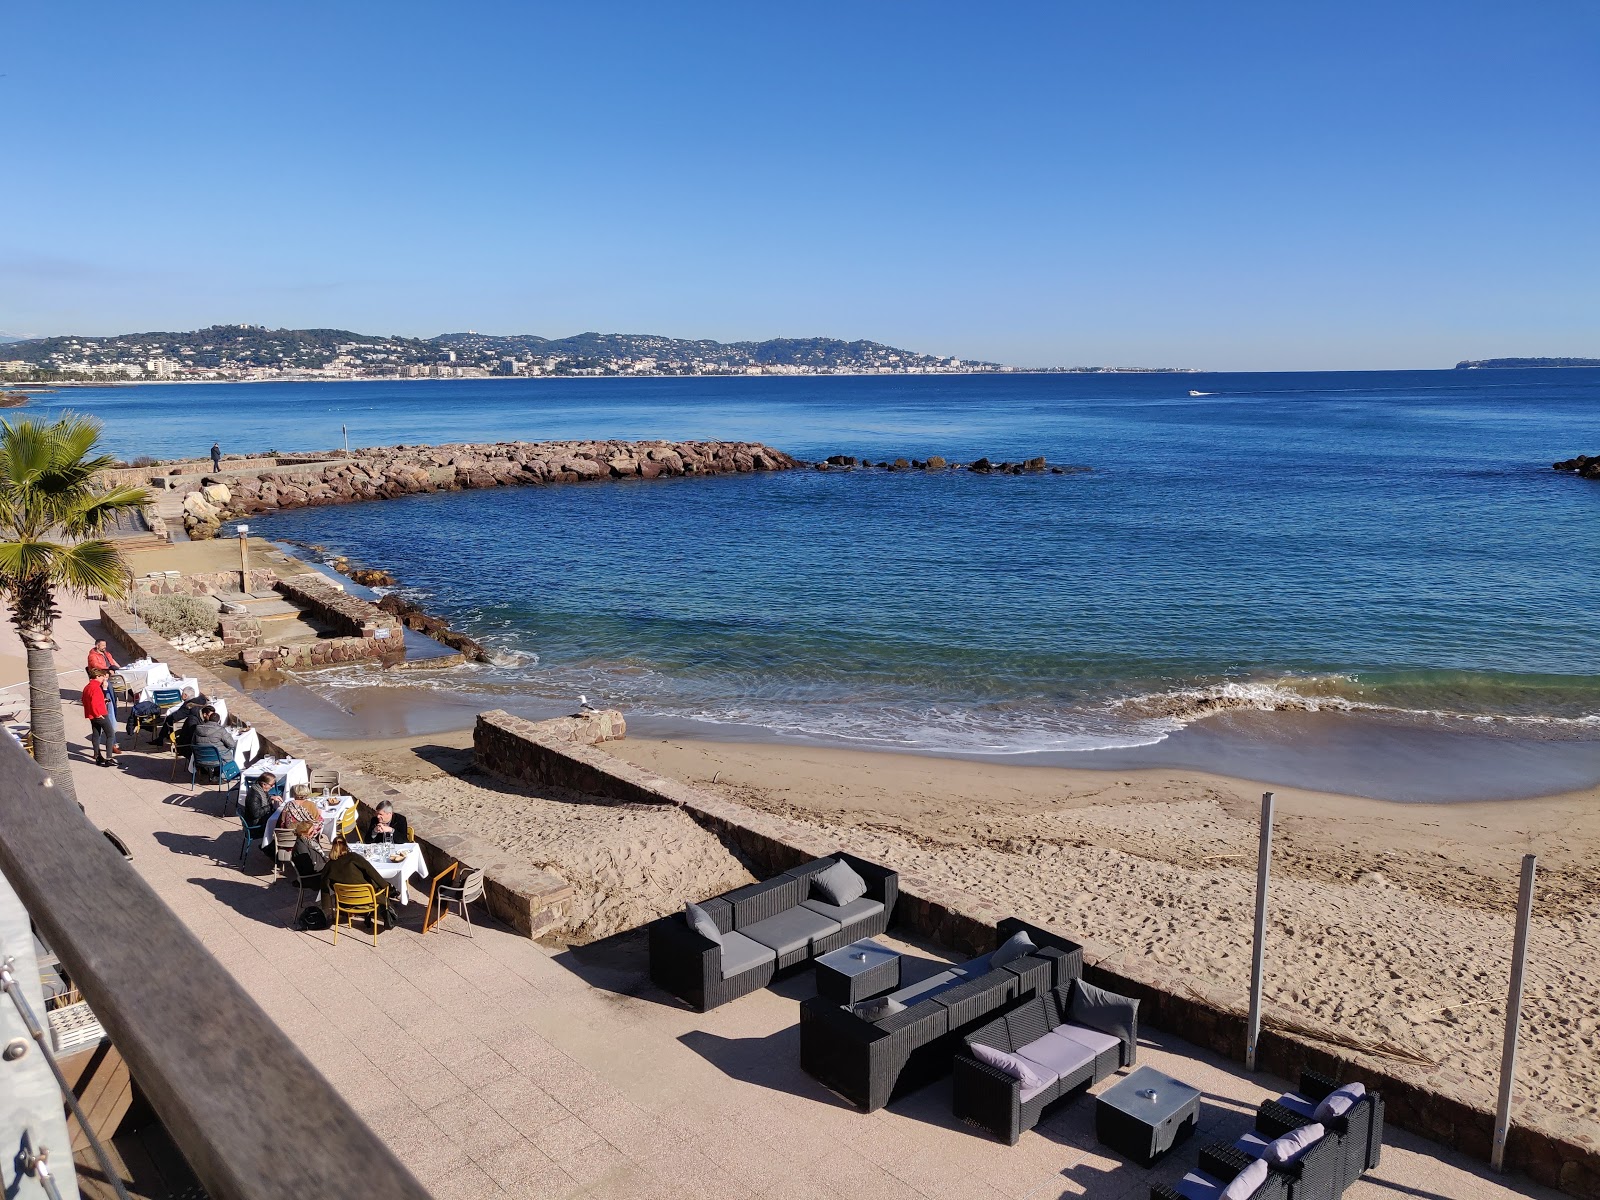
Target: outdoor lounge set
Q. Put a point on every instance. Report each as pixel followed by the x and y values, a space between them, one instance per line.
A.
pixel 1311 1144
pixel 738 941
pixel 1018 1026
pixel 1048 1048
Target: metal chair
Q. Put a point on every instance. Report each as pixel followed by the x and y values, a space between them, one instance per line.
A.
pixel 303 879
pixel 347 824
pixel 204 758
pixel 166 699
pixel 355 900
pixel 283 841
pixel 324 779
pixel 251 833
pixel 469 890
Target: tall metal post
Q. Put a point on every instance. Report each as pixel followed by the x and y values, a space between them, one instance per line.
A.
pixel 345 429
pixel 244 559
pixel 1508 1055
pixel 1258 949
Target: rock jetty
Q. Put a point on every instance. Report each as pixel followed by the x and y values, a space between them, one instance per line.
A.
pixel 384 473
pixel 1586 466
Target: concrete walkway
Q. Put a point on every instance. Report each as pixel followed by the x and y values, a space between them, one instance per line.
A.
pixel 495 1066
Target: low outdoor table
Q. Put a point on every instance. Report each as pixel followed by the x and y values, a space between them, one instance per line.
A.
pixel 377 853
pixel 857 971
pixel 1146 1114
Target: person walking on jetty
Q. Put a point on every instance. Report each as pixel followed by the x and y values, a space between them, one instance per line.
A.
pixel 216 456
pixel 100 727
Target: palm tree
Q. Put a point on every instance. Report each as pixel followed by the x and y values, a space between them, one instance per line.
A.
pixel 51 513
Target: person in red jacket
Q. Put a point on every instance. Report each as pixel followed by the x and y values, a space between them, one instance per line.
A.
pixel 100 726
pixel 100 658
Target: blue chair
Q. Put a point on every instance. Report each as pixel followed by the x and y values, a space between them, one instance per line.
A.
pixel 251 833
pixel 167 699
pixel 204 759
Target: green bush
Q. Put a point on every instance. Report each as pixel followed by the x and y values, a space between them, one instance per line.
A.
pixel 173 616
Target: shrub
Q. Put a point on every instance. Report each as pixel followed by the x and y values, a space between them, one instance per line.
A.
pixel 173 616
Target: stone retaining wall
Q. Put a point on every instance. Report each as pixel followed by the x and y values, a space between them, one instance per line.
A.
pixel 203 583
pixel 346 615
pixel 1554 1151
pixel 524 897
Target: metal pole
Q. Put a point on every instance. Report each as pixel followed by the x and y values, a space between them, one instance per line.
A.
pixel 345 429
pixel 1263 874
pixel 244 559
pixel 1508 1056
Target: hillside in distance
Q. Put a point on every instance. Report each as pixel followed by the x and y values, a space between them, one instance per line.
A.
pixel 1469 364
pixel 256 352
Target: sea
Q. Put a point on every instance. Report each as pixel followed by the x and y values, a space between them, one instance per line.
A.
pixel 1369 582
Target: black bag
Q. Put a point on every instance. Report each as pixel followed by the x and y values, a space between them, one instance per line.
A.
pixel 312 917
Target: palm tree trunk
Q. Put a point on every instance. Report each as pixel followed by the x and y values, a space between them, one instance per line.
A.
pixel 34 609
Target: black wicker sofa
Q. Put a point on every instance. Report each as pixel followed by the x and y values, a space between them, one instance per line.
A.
pixel 1314 1147
pixel 871 1057
pixel 1065 1040
pixel 764 928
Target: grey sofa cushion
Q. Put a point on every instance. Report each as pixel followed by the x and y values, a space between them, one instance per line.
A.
pixel 1097 1041
pixel 1057 1056
pixel 845 914
pixel 839 884
pixel 1014 947
pixel 740 954
pixel 700 921
pixel 1103 1010
pixel 791 930
pixel 926 988
pixel 974 967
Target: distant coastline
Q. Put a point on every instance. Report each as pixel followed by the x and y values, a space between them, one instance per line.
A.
pixel 1475 364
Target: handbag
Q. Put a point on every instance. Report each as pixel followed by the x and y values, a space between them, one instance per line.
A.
pixel 312 917
pixel 229 771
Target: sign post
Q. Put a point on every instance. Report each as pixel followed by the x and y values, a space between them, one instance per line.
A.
pixel 244 559
pixel 1263 878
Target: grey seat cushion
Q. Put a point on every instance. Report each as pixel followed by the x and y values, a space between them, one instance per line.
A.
pixel 927 988
pixel 1057 1055
pixel 1097 1041
pixel 974 967
pixel 740 954
pixel 845 914
pixel 1196 1186
pixel 1298 1104
pixel 791 930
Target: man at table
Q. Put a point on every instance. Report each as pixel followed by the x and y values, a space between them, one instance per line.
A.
pixel 100 658
pixel 100 727
pixel 258 801
pixel 212 732
pixel 189 709
pixel 345 867
pixel 387 825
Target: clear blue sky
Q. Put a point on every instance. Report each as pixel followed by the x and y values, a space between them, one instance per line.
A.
pixel 1226 185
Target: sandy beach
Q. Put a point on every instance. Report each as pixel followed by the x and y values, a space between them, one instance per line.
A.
pixel 1391 923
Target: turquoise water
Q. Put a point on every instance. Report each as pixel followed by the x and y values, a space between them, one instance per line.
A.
pixel 1386 544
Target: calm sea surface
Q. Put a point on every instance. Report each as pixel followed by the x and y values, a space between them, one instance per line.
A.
pixel 1390 546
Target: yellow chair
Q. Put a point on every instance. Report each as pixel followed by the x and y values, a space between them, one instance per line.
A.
pixel 347 824
pixel 355 900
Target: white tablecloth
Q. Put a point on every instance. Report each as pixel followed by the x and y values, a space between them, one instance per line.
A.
pixel 187 683
pixel 290 772
pixel 377 853
pixel 144 674
pixel 246 745
pixel 332 810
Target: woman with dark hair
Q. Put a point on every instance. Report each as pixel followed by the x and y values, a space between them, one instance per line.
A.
pixel 348 868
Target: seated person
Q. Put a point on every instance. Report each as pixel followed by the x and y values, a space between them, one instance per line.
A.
pixel 183 719
pixel 300 814
pixel 259 803
pixel 345 867
pixel 309 860
pixel 387 825
pixel 212 732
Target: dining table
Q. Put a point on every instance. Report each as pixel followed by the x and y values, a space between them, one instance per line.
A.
pixel 410 863
pixel 332 808
pixel 290 772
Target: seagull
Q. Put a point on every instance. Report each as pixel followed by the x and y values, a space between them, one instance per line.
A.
pixel 585 706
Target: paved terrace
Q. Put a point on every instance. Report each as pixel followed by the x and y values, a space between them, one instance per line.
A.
pixel 495 1066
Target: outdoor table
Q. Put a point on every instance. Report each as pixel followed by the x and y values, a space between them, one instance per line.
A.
pixel 246 745
pixel 857 971
pixel 178 685
pixel 290 773
pixel 377 853
pixel 1146 1114
pixel 332 809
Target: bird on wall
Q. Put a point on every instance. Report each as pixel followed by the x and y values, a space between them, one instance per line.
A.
pixel 585 706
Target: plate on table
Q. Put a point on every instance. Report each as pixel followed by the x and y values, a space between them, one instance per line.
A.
pixel 397 857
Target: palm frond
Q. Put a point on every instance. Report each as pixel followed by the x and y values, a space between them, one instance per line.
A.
pixel 95 565
pixel 22 561
pixel 91 512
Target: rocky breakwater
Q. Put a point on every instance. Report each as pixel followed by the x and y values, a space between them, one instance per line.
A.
pixel 382 474
pixel 1585 466
pixel 981 466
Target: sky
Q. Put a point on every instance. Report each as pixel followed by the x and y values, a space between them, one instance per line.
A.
pixel 1246 186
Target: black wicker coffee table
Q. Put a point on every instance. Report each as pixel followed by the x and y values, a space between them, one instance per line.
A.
pixel 857 971
pixel 1146 1114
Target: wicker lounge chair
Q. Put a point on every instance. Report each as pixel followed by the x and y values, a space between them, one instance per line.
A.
pixel 870 1061
pixel 1204 1185
pixel 765 928
pixel 1066 1055
pixel 1357 1134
